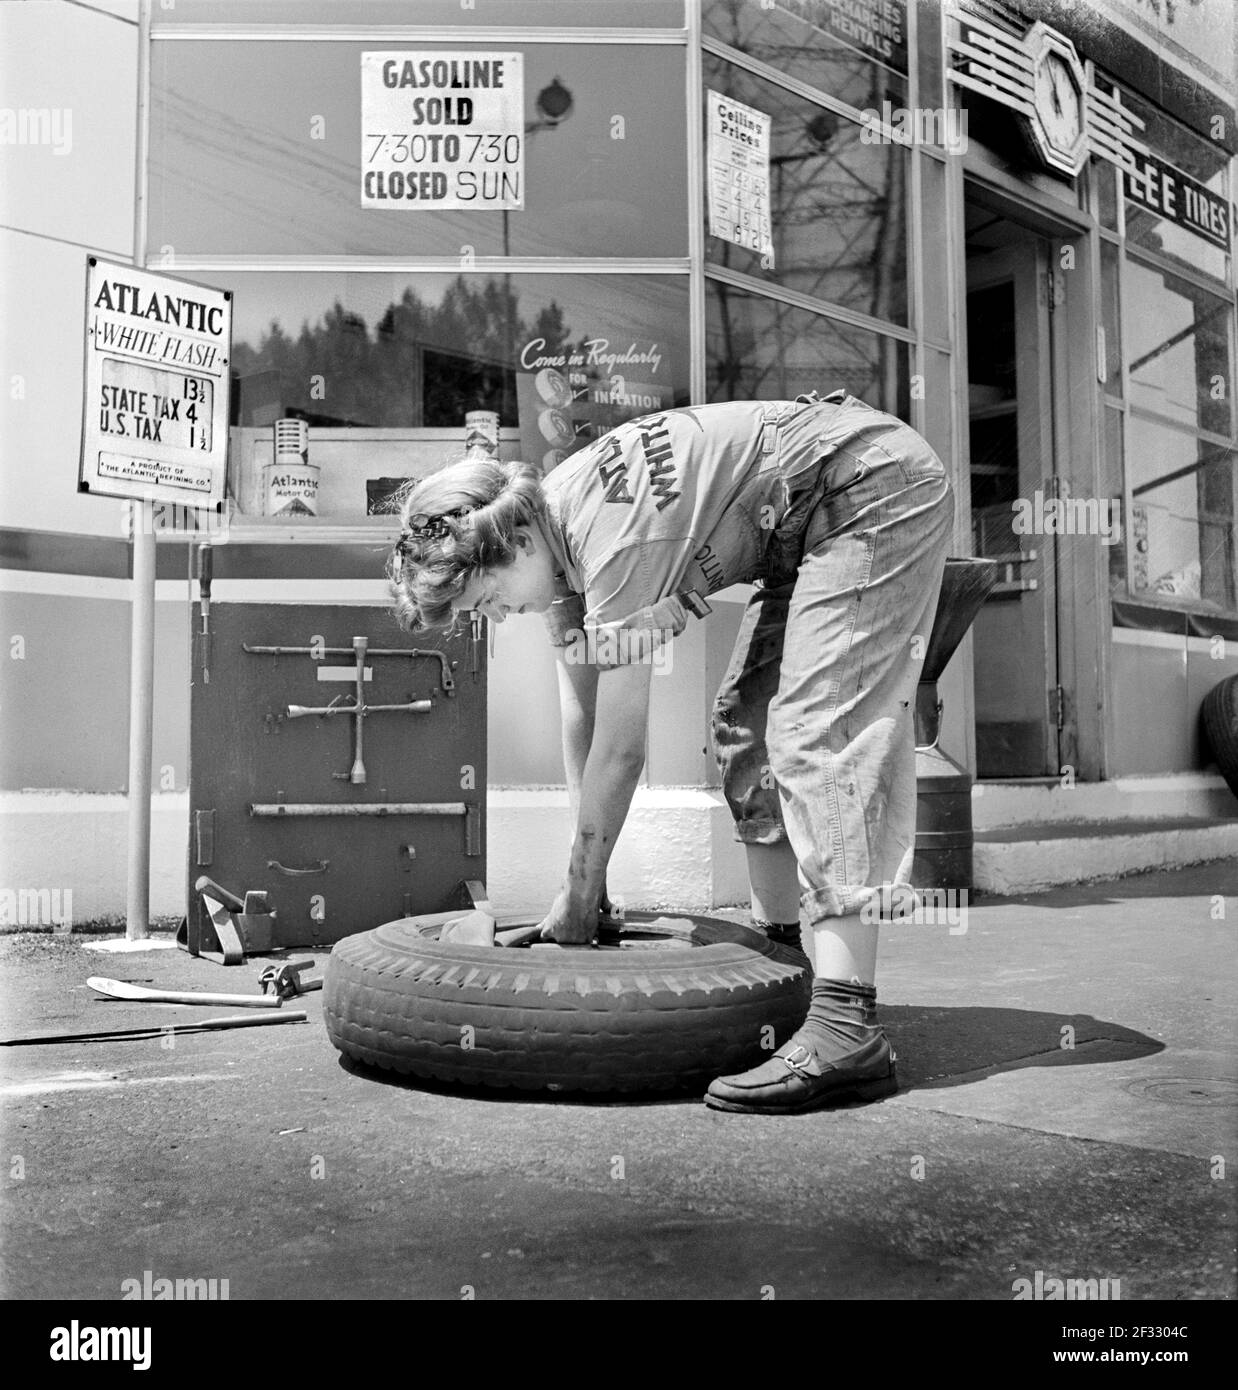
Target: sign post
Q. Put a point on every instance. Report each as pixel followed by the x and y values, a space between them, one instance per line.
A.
pixel 154 430
pixel 141 722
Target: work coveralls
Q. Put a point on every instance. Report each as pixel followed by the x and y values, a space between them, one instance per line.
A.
pixel 842 516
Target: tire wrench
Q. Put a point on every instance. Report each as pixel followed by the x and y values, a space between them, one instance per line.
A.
pixel 205 575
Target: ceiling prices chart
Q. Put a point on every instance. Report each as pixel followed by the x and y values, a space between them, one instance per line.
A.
pixel 442 130
pixel 737 168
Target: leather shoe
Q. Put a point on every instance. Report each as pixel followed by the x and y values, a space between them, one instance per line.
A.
pixel 795 1079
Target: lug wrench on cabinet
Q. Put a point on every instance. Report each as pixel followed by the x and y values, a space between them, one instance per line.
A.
pixel 359 709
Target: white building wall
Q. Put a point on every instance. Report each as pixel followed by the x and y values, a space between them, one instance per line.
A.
pixel 67 72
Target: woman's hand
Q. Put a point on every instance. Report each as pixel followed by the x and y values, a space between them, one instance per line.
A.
pixel 567 925
pixel 611 772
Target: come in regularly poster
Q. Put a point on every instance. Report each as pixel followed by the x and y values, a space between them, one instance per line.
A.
pixel 155 408
pixel 737 164
pixel 442 130
pixel 570 394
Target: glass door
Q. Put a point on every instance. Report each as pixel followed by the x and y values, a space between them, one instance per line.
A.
pixel 1010 291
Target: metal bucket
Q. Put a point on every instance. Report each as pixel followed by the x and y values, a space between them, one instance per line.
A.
pixel 945 839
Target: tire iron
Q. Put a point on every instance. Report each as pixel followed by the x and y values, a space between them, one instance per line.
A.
pixel 199 1025
pixel 124 989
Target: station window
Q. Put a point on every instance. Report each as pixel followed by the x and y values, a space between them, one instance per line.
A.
pixel 1173 458
pixel 853 59
pixel 1178 338
pixel 838 204
pixel 370 350
pixel 257 148
pixel 1159 222
pixel 762 349
pixel 381 355
pixel 1182 515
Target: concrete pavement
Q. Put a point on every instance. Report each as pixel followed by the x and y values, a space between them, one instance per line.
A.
pixel 1068 1107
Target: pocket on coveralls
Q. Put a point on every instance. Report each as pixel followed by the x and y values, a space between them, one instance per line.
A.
pixel 872 441
pixel 910 450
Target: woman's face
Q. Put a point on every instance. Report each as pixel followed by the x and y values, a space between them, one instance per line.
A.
pixel 526 585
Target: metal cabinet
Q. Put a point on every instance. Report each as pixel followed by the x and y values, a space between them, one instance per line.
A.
pixel 345 816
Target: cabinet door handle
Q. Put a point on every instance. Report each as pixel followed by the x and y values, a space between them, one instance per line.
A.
pixel 319 868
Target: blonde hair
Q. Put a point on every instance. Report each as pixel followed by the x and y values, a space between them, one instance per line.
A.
pixel 453 524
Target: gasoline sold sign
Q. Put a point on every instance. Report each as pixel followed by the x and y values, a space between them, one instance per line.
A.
pixel 155 410
pixel 442 130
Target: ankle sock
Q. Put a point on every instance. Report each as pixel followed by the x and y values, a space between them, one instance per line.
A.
pixel 841 1018
pixel 781 933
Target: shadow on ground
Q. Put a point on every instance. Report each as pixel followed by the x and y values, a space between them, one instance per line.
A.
pixel 940 1047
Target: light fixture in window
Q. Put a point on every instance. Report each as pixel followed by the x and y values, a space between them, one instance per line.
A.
pixel 554 103
pixel 822 128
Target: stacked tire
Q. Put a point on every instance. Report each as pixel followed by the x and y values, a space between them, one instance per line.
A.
pixel 1219 717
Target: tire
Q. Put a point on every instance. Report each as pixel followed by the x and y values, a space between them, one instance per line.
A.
pixel 1220 721
pixel 703 1000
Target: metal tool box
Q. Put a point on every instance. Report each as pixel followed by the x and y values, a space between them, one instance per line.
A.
pixel 345 820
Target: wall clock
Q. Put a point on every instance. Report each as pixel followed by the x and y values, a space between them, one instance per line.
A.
pixel 1058 123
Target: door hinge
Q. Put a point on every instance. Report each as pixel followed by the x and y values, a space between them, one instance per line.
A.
pixel 204 838
pixel 1057 707
pixel 1055 289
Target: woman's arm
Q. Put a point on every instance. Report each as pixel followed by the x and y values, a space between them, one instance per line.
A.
pixel 612 768
pixel 578 683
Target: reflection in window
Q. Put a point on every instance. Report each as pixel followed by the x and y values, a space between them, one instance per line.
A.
pixel 819 43
pixel 1182 516
pixel 838 205
pixel 256 149
pixel 1178 348
pixel 761 349
pixel 391 351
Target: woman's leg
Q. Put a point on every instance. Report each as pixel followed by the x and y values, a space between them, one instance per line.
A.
pixel 739 718
pixel 840 736
pixel 774 882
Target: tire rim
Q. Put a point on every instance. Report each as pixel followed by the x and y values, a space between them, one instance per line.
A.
pixel 638 931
